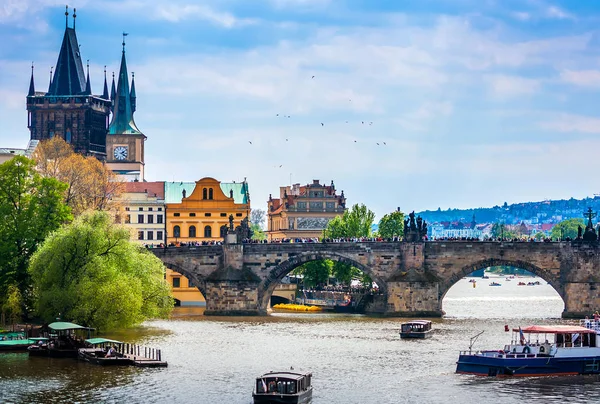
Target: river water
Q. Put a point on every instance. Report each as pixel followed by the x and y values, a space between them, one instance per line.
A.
pixel 353 358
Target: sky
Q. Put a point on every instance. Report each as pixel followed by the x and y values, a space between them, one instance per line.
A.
pixel 416 104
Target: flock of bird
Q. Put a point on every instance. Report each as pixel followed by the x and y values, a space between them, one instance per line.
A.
pixel 323 124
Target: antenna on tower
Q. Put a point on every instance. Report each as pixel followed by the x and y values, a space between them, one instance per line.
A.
pixel 67 16
pixel 74 16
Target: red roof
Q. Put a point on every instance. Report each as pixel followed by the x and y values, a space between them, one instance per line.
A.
pixel 155 188
pixel 547 226
pixel 555 329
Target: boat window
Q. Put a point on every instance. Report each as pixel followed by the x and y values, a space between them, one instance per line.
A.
pixel 261 386
pixel 281 387
pixel 291 387
pixel 592 340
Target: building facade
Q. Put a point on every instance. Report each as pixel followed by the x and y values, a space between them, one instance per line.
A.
pixel 68 109
pixel 197 211
pixel 184 291
pixel 456 230
pixel 143 212
pixel 303 211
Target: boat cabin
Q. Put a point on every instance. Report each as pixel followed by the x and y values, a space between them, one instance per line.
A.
pixel 415 329
pixel 295 386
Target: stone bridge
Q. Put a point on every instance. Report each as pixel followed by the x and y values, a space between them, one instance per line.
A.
pixel 238 279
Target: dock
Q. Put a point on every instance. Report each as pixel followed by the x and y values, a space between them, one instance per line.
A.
pixel 142 356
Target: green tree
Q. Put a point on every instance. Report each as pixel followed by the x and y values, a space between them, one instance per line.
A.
pixel 89 272
pixel 13 307
pixel 355 222
pixel 258 233
pixel 392 225
pixel 567 228
pixel 315 272
pixel 30 207
pixel 539 236
pixel 501 230
pixel 345 273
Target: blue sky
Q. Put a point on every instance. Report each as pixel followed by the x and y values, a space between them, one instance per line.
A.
pixel 478 101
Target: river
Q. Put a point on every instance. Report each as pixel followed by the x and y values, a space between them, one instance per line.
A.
pixel 353 358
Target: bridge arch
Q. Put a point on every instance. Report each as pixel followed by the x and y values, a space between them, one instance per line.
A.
pixel 199 281
pixel 495 262
pixel 277 273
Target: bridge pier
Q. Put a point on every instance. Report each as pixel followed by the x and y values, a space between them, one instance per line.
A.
pixel 581 299
pixel 413 299
pixel 232 298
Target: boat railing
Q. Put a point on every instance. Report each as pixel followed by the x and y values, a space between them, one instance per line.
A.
pixel 140 352
pixel 505 355
pixel 591 324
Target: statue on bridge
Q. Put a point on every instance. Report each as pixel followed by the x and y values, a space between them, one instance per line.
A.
pixel 243 231
pixel 231 222
pixel 590 233
pixel 414 229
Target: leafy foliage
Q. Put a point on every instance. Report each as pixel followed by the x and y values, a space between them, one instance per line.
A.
pixel 257 217
pixel 13 308
pixel 30 207
pixel 90 184
pixel 567 228
pixel 355 222
pixel 89 272
pixel 500 230
pixel 392 225
pixel 258 233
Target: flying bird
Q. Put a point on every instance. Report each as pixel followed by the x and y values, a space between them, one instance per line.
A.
pixel 281 166
pixel 377 144
pixel 355 141
pixel 363 122
pixel 322 124
pixel 384 143
pixel 277 114
pixel 312 77
pixel 286 140
pixel 249 142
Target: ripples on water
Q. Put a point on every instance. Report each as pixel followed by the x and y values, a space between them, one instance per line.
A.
pixel 354 358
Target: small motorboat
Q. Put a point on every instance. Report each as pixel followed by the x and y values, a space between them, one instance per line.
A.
pixel 101 351
pixel 495 284
pixel 521 284
pixel 283 387
pixel 416 329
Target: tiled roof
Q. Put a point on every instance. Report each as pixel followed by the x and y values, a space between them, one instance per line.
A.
pixel 155 188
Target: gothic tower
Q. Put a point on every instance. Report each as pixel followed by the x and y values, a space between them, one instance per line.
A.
pixel 124 141
pixel 69 109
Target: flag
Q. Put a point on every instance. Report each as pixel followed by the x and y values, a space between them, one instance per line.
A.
pixel 522 336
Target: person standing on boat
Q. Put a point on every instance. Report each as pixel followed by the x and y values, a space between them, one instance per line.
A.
pixel 111 352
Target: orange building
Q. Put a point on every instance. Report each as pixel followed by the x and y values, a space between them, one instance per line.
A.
pixel 196 211
pixel 303 211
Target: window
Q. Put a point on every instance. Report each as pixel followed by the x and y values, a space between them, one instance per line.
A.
pixel 191 284
pixel 176 231
pixel 301 205
pixel 176 214
pixel 127 208
pixel 160 209
pixel 207 231
pixel 238 215
pixel 192 215
pixel 210 193
pixel 140 235
pixel 330 206
pixel 141 209
pixel 223 214
pixel 192 231
pixel 128 219
pixel 316 206
pixel 68 136
pixel 159 235
pixel 159 219
pixel 150 219
pixel 140 218
pixel 150 209
pixel 207 214
pixel 150 235
pixel 204 193
pixel 176 282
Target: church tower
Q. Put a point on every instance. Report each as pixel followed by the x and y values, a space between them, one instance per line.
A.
pixel 124 141
pixel 69 109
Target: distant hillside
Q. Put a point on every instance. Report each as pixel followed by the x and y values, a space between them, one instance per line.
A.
pixel 528 212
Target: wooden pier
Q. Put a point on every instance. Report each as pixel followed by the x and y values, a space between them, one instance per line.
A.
pixel 142 356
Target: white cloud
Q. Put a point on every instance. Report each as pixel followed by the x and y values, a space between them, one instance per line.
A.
pixel 570 123
pixel 558 13
pixel 512 86
pixel 176 13
pixel 583 78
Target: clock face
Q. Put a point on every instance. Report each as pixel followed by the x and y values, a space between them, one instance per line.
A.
pixel 120 152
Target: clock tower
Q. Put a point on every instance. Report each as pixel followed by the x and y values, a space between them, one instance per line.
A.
pixel 124 141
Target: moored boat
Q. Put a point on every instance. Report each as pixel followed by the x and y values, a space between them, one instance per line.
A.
pixel 495 284
pixel 416 329
pixel 539 350
pixel 283 387
pixel 63 342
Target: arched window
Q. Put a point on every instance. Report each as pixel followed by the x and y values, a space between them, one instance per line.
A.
pixel 176 231
pixel 68 136
pixel 207 231
pixel 210 193
pixel 192 231
pixel 204 193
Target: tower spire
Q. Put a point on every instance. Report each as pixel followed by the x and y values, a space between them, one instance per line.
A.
pixel 67 16
pixel 113 94
pixel 132 93
pixel 122 120
pixel 74 16
pixel 105 92
pixel 31 85
pixel 88 87
pixel 50 85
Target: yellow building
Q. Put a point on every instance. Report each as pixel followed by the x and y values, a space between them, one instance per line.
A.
pixel 184 291
pixel 196 211
pixel 303 211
